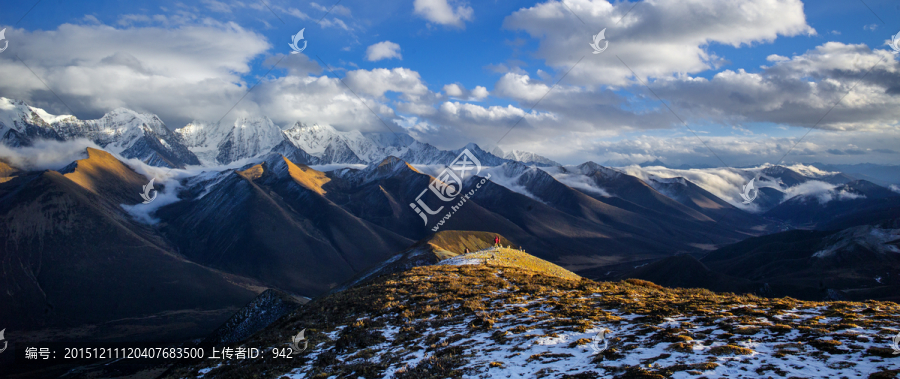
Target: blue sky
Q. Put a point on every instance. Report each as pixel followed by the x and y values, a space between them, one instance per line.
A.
pixel 721 74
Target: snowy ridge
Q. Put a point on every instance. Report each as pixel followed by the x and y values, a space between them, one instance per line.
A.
pixel 145 136
pixel 249 137
pixel 511 325
pixel 203 140
pixel 121 131
pixel 528 158
pixel 866 237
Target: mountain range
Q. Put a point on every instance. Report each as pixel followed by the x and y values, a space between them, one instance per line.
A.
pixel 308 211
pixel 144 136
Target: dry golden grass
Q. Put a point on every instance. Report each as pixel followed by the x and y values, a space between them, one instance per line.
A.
pixel 437 309
pixel 252 173
pixel 507 257
pixel 307 177
pixel 100 168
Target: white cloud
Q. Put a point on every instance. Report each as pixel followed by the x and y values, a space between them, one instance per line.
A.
pixel 821 191
pixel 444 13
pixel 193 72
pixel 574 179
pixel 45 154
pixel 216 6
pixel 457 91
pixel 336 9
pixel 724 183
pixel 521 87
pixel 336 23
pixel 480 93
pixel 454 90
pixel 678 30
pixel 380 80
pixel 383 50
pixel 799 90
pixel 183 67
pixel 182 72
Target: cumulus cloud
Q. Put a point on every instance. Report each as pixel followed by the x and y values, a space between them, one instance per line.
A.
pixel 177 72
pixel 378 81
pixel 799 91
pixel 457 91
pixel 679 30
pixel 443 12
pixel 796 91
pixel 383 50
pixel 193 71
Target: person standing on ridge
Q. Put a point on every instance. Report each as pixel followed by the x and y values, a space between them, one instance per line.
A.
pixel 497 241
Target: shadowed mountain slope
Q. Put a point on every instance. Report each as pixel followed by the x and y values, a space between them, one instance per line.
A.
pixel 271 222
pixel 69 257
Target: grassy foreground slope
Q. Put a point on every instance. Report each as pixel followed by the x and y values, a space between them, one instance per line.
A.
pixel 502 320
pixel 428 251
pixel 503 257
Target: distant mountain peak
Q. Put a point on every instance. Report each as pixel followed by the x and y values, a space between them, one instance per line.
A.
pixel 655 162
pixel 529 158
pixel 128 133
pixel 388 167
pixel 249 137
pixel 516 168
pixel 472 146
pixel 589 168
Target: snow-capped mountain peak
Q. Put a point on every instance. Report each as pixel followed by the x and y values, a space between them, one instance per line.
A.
pixel 249 137
pixel 334 146
pixel 529 158
pixel 122 131
pixel 589 168
pixel 313 139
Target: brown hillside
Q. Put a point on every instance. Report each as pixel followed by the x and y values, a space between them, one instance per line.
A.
pixel 103 174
